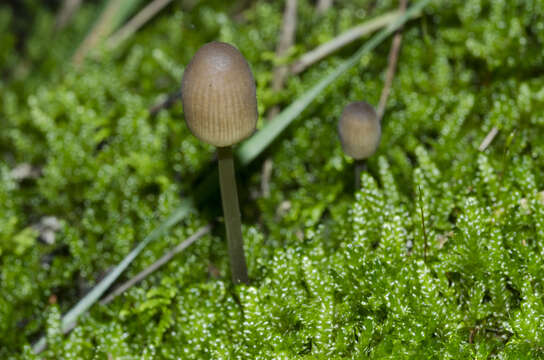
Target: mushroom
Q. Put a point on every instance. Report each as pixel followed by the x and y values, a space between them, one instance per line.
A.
pixel 359 130
pixel 220 106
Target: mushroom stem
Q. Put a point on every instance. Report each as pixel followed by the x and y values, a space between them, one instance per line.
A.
pixel 231 214
pixel 360 166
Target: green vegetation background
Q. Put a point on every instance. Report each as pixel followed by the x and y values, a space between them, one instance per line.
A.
pixel 336 273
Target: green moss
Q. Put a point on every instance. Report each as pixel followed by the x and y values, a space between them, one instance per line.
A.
pixel 336 273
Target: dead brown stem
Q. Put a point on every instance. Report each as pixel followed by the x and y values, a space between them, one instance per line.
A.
pixel 66 12
pixel 342 40
pixel 101 29
pixel 323 6
pixel 137 22
pixel 286 40
pixel 166 103
pixel 157 264
pixel 392 65
pixel 489 138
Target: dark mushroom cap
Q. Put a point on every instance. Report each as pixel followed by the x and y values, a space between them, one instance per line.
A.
pixel 219 95
pixel 359 130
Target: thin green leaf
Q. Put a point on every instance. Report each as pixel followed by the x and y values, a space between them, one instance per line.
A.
pixel 247 152
pixel 69 319
pixel 255 145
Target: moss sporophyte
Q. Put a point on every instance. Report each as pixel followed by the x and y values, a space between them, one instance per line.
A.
pixel 220 106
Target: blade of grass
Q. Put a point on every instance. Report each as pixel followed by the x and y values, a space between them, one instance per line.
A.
pixel 252 147
pixel 69 319
pixel 247 152
pixel 157 264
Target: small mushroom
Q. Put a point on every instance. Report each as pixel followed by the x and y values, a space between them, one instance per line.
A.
pixel 359 129
pixel 220 105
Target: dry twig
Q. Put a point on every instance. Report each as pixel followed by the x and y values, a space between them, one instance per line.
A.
pixel 265 178
pixel 101 29
pixel 392 65
pixel 286 40
pixel 66 12
pixel 137 22
pixel 488 139
pixel 323 6
pixel 342 40
pixel 166 103
pixel 41 344
pixel 157 264
pixel 237 11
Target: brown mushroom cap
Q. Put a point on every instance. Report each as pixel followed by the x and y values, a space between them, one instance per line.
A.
pixel 359 130
pixel 219 95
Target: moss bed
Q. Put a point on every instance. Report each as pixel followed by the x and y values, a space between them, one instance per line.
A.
pixel 336 272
